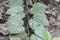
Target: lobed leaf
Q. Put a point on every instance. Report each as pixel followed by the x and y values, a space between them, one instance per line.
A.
pixel 33 24
pixel 41 19
pixel 15 29
pixel 15 10
pixel 40 33
pixel 15 24
pixel 38 8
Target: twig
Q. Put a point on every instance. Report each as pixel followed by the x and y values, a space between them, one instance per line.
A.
pixel 27 17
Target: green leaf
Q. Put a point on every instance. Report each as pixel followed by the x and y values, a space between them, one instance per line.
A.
pixel 33 24
pixel 47 35
pixel 56 38
pixel 15 20
pixel 34 37
pixel 15 9
pixel 0 15
pixel 40 33
pixel 41 19
pixel 15 24
pixel 36 27
pixel 15 29
pixel 38 8
pixel 16 2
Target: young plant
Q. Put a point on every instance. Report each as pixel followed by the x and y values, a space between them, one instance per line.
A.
pixel 37 22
